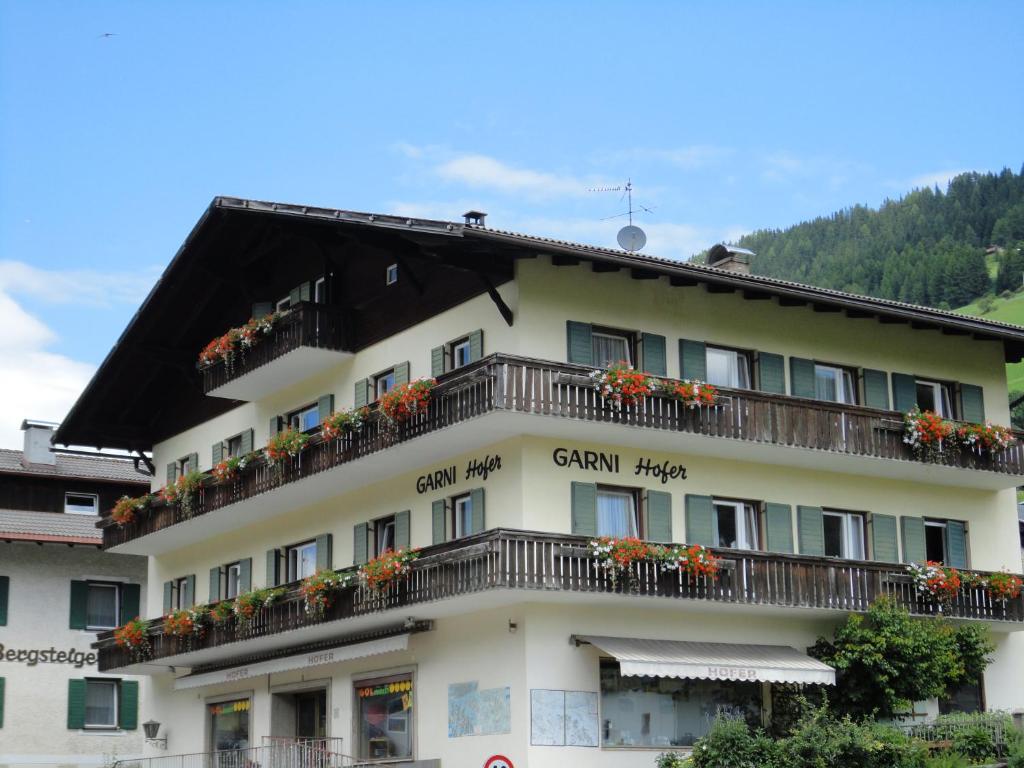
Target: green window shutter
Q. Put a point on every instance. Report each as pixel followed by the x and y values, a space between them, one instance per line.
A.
pixel 700 520
pixel 172 472
pixel 214 593
pixel 904 392
pixel 79 598
pixel 652 350
pixel 193 462
pixel 168 596
pixel 437 522
pixel 217 453
pixel 324 406
pixel 956 544
pixel 658 516
pixel 778 527
pixel 972 403
pixel 247 441
pixel 245 574
pixel 362 388
pixel 876 389
pixel 1 702
pixel 401 373
pixel 884 546
pixel 580 343
pixel 771 373
pixel 76 704
pixel 801 377
pixel 275 426
pixel 811 530
pixel 128 705
pixel 914 550
pixel 190 591
pixel 402 532
pixel 476 497
pixel 5 588
pixel 273 556
pixel 693 360
pixel 361 544
pixel 262 309
pixel 476 345
pixel 324 555
pixel 437 356
pixel 130 597
pixel 584 509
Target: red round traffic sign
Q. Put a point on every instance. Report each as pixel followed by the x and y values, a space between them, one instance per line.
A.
pixel 498 761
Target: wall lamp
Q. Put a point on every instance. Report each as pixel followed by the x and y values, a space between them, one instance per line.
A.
pixel 151 729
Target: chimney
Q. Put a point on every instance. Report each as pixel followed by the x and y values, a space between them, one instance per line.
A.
pixel 474 218
pixel 731 258
pixel 37 442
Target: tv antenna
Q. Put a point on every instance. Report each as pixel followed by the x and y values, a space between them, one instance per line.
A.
pixel 631 238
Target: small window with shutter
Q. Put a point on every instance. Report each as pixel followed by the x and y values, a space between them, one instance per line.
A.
pixel 383 530
pixel 736 524
pixel 618 511
pixel 844 534
pixel 383 382
pixel 304 419
pixel 300 560
pixel 612 345
pixel 454 517
pixel 457 353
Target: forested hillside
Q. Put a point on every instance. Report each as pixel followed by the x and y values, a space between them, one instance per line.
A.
pixel 926 248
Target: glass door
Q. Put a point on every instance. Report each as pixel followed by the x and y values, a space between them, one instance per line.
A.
pixel 311 715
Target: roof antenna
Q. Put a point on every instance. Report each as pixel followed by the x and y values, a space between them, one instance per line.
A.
pixel 630 237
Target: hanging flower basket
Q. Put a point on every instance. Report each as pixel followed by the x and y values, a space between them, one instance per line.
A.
pixel 986 437
pixel 227 471
pixel 936 581
pixel 318 591
pixel 401 403
pixel 1003 586
pixel 698 562
pixel 286 444
pixel 133 636
pixel 127 507
pixel 623 385
pixel 344 422
pixel 691 392
pixel 926 433
pixel 248 605
pixel 225 348
pixel 187 625
pixel 222 613
pixel 184 492
pixel 616 556
pixel 388 568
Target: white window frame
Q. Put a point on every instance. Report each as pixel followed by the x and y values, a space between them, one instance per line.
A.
pixel 232 571
pixel 460 346
pixel 379 379
pixel 741 370
pixel 382 527
pixel 178 589
pixel 320 290
pixel 282 304
pixel 460 504
pixel 95 503
pixel 610 333
pixel 117 605
pixel 936 523
pixel 295 418
pixel 741 509
pixel 115 684
pixel 942 396
pixel 851 522
pixel 843 376
pixel 228 452
pixel 294 551
pixel 391 274
pixel 634 503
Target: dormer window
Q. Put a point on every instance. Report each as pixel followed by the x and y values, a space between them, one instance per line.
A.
pixel 81 504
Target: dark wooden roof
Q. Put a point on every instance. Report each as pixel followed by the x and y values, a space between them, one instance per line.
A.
pixel 246 251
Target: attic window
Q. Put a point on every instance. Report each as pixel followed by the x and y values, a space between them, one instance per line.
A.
pixel 391 277
pixel 81 504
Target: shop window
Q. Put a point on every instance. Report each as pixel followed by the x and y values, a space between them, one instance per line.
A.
pixel 229 725
pixel 101 606
pixel 844 534
pixel 728 367
pixel 81 504
pixel 834 383
pixel 384 718
pixel 736 524
pixel 661 712
pixel 935 396
pixel 100 703
pixel 300 560
pixel 612 346
pixel 618 511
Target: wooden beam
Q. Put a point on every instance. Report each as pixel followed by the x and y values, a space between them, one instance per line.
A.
pixel 921 326
pixel 503 309
pixel 789 301
pixel 888 320
pixel 826 308
pixel 857 314
pixel 643 274
pixel 756 296
pixel 561 260
pixel 716 288
pixel 678 281
pixel 947 331
pixel 604 266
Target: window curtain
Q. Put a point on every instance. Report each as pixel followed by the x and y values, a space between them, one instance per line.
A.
pixel 610 349
pixel 723 368
pixel 101 607
pixel 99 703
pixel 616 515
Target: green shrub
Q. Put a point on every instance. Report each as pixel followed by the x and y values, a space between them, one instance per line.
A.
pixel 672 760
pixel 1014 748
pixel 731 744
pixel 823 741
pixel 975 743
pixel 947 760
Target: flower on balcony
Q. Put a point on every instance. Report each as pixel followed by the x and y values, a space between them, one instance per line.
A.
pixel 387 568
pixel 221 613
pixel 1003 586
pixel 342 422
pixel 184 492
pixel 697 561
pixel 133 636
pixel 691 392
pixel 623 385
pixel 228 470
pixel 988 436
pixel 188 625
pixel 126 508
pixel 935 580
pixel 926 433
pixel 616 556
pixel 285 444
pixel 319 589
pixel 248 605
pixel 225 348
pixel 403 401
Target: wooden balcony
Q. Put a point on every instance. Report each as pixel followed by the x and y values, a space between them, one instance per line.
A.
pixel 561 402
pixel 308 340
pixel 507 562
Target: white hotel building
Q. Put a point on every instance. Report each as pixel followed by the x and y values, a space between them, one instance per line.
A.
pixel 506 639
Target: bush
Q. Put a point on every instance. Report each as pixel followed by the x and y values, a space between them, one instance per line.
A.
pixel 975 743
pixel 947 760
pixel 1014 748
pixel 823 741
pixel 730 744
pixel 672 760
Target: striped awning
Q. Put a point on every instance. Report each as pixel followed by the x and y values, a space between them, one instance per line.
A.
pixel 712 661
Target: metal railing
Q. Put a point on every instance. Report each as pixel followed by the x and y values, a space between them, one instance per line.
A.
pixel 275 755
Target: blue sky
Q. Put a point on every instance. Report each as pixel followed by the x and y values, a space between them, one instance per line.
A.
pixel 727 118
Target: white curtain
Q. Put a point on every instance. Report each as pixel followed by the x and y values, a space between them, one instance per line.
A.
pixel 616 514
pixel 101 606
pixel 610 349
pixel 99 703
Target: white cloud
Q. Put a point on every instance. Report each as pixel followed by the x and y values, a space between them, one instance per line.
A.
pixel 483 172
pixel 81 286
pixel 938 179
pixel 687 158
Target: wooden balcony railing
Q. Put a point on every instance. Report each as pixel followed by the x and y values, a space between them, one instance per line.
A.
pixel 559 390
pixel 306 325
pixel 535 561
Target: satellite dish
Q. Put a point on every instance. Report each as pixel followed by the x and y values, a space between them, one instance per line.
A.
pixel 632 238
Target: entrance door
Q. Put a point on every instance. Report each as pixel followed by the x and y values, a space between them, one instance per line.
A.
pixel 311 715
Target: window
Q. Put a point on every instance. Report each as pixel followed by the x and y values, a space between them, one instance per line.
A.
pixel 736 525
pixel 935 396
pixel 233 447
pixel 101 606
pixel 462 515
pixel 935 541
pixel 232 579
pixel 391 275
pixel 383 535
pixel 301 560
pixel 383 382
pixel 669 712
pixel 844 534
pixel 283 304
pixel 1020 523
pixel 320 290
pixel 460 354
pixel 100 703
pixel 617 512
pixel 834 384
pixel 612 346
pixel 384 718
pixel 182 467
pixel 966 697
pixel 728 367
pixel 305 419
pixel 229 726
pixel 81 503
pixel 180 598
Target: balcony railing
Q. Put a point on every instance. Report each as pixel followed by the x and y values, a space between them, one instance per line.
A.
pixel 306 325
pixel 535 561
pixel 503 383
pixel 276 754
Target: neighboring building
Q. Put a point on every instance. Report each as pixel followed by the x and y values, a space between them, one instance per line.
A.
pixel 506 638
pixel 58 589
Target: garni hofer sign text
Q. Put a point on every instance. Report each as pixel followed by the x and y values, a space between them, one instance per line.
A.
pixel 603 461
pixel 32 656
